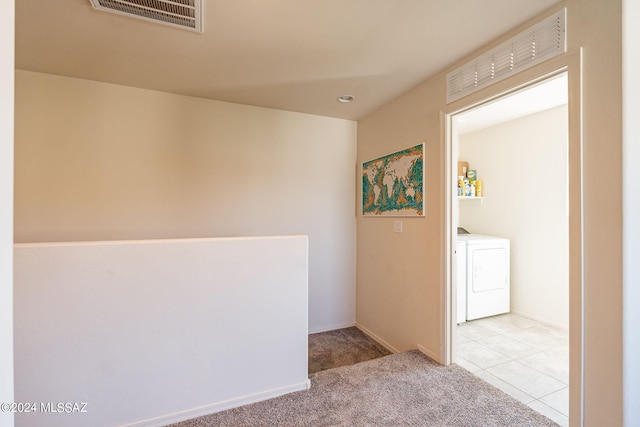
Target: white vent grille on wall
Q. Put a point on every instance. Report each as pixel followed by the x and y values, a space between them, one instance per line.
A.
pixel 532 46
pixel 186 14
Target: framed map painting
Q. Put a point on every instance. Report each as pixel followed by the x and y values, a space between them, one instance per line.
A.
pixel 393 185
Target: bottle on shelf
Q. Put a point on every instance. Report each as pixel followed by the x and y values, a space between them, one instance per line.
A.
pixel 468 183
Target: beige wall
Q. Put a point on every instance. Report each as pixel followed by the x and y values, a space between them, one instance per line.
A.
pixel 7 12
pixel 97 161
pixel 400 291
pixel 523 166
pixel 398 275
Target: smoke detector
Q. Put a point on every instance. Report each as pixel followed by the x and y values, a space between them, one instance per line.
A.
pixel 186 14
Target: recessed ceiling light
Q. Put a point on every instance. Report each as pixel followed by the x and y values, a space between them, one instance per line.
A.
pixel 345 98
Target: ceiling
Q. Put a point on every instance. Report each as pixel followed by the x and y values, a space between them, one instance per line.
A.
pixel 296 55
pixel 550 93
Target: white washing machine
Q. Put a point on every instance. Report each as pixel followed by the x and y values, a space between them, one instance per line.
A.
pixel 487 275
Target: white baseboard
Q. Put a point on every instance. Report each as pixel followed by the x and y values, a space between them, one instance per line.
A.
pixel 392 349
pixel 220 406
pixel 541 320
pixel 429 353
pixel 377 338
pixel 331 328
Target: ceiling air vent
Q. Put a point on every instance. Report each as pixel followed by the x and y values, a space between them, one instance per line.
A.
pixel 538 43
pixel 186 14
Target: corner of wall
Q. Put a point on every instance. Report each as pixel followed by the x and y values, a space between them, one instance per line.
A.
pixel 7 16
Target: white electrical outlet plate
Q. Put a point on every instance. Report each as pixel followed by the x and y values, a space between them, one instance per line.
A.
pixel 397 226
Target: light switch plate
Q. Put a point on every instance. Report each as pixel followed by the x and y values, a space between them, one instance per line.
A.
pixel 397 226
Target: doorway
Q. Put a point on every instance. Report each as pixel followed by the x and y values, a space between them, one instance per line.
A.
pixel 517 147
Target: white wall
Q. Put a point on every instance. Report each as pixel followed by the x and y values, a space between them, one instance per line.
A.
pixel 159 331
pixel 631 212
pixel 523 167
pixel 97 161
pixel 7 12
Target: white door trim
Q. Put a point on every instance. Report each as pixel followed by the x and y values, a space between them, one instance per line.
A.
pixel 571 63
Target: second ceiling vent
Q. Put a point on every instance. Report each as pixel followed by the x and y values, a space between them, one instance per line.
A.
pixel 544 40
pixel 186 14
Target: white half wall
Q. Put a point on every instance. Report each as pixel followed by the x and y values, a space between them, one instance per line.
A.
pixel 7 13
pixel 153 332
pixel 523 167
pixel 97 161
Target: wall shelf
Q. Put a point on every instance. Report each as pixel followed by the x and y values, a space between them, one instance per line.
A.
pixel 470 198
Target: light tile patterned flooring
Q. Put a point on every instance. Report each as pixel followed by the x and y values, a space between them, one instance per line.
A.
pixel 526 359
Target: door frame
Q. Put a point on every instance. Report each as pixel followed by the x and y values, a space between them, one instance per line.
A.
pixel 570 63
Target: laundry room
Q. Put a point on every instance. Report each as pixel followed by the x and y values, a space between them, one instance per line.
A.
pixel 513 189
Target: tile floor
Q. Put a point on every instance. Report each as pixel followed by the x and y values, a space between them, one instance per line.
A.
pixel 523 357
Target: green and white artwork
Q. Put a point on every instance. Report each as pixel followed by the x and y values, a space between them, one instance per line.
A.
pixel 393 185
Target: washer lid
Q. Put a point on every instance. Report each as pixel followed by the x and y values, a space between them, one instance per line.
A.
pixel 480 238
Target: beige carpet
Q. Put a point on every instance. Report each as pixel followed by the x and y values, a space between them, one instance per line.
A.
pixel 406 389
pixel 342 347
